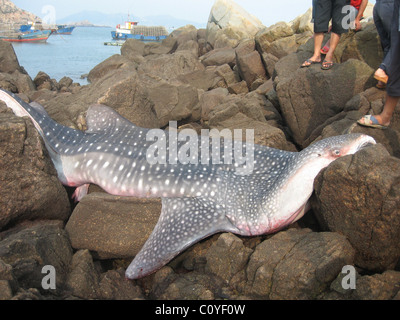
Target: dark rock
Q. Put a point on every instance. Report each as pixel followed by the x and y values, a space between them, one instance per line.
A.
pixel 247 112
pixel 309 96
pixel 191 286
pixel 29 250
pixel 211 99
pixel 65 82
pixel 96 225
pixel 114 286
pixel 250 67
pixel 269 61
pixel 378 286
pixel 219 57
pixel 133 49
pixel 363 45
pixel 31 186
pixel 206 79
pixel 83 280
pixel 8 59
pixel 169 67
pixel 238 88
pixel 40 80
pixel 297 264
pixel 16 82
pixel 113 63
pixel 358 196
pixel 226 257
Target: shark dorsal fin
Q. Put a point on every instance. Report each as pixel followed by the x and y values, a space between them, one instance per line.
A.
pixel 101 118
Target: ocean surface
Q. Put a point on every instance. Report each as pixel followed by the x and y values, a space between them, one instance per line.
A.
pixel 67 55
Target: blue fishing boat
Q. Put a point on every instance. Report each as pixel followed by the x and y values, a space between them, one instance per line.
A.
pixel 27 33
pixel 131 30
pixel 63 29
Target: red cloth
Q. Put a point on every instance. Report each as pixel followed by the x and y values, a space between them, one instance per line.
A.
pixel 356 3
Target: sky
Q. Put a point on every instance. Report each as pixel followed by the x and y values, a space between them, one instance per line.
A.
pixel 268 11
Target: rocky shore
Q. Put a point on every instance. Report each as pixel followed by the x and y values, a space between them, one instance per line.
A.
pixel 12 15
pixel 236 74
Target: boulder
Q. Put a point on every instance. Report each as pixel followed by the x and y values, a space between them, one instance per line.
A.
pixel 358 196
pixel 83 280
pixel 220 56
pixel 296 264
pixel 207 79
pixel 30 186
pixel 363 45
pixel 309 97
pixel 211 99
pixel 17 82
pixel 133 49
pixel 96 225
pixel 113 286
pixel 248 112
pixel 113 63
pixel 249 64
pixel 29 250
pixel 228 21
pixel 226 257
pixel 161 101
pixel 169 67
pixel 8 59
pixel 385 286
pixel 303 22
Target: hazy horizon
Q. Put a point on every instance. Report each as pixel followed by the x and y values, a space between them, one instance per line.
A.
pixel 268 11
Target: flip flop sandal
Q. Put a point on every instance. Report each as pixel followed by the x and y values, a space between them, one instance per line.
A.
pixel 326 65
pixel 371 122
pixel 309 63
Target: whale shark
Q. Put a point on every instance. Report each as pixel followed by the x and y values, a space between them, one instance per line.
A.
pixel 198 199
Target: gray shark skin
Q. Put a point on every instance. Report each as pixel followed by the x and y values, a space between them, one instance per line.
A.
pixel 198 200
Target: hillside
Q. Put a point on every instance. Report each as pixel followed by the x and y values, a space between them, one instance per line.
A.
pixel 11 14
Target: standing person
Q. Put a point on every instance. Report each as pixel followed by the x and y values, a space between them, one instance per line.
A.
pixel 383 12
pixel 382 121
pixel 325 10
pixel 358 8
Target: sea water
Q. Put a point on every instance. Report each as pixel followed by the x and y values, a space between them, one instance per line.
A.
pixel 67 55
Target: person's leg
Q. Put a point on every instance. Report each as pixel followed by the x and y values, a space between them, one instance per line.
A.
pixel 322 13
pixel 333 44
pixel 393 85
pixel 383 13
pixel 338 19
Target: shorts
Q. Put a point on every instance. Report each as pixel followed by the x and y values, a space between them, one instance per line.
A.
pixel 326 10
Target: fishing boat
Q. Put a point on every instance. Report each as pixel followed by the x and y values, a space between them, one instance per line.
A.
pixel 131 30
pixel 26 33
pixel 63 29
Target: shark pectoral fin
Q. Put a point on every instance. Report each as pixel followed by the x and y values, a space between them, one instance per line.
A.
pixel 183 221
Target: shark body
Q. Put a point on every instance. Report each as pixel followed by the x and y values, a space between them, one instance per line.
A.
pixel 198 200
